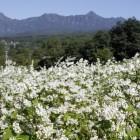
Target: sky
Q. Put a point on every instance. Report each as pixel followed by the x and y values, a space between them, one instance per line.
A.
pixel 21 9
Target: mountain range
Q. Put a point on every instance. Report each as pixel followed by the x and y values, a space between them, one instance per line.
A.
pixel 48 24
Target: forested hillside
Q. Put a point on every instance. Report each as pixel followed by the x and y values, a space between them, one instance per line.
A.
pixel 122 41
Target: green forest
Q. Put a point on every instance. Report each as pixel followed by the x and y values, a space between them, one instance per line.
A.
pixel 122 41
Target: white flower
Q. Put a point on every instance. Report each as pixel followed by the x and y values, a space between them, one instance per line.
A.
pixel 72 121
pixel 69 95
pixel 27 103
pixel 3 124
pixel 63 137
pixel 16 128
pixel 94 138
pixel 40 110
pixel 44 132
pixel 138 105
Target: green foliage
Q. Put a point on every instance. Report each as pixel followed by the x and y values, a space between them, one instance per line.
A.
pixel 23 137
pixel 7 134
pixel 97 47
pixel 101 39
pixel 103 54
pixel 21 56
pixel 125 39
pixel 2 54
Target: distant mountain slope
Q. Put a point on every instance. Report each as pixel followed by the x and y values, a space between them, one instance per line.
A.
pixel 54 23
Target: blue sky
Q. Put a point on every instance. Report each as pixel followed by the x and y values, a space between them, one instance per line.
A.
pixel 108 8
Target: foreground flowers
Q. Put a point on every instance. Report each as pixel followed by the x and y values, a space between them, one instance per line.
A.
pixel 71 101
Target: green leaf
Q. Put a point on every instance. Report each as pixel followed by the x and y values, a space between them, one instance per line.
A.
pixel 130 108
pixel 7 134
pixel 35 102
pixel 23 137
pixel 105 124
pixel 14 114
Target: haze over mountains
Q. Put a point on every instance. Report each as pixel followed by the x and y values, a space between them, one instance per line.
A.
pixel 48 24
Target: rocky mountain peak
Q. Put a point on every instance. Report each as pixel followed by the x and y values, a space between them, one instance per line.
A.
pixel 47 24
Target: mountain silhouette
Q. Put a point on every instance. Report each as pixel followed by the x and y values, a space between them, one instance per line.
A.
pixel 48 24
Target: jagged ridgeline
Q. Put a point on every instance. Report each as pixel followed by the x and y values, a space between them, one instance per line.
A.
pixel 47 24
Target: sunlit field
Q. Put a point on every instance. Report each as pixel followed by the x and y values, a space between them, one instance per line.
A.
pixel 71 101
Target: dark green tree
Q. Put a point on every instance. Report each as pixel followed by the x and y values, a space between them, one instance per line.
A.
pixel 125 39
pixel 2 54
pixel 98 47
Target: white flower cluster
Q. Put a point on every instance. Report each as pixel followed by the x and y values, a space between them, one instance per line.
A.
pixel 71 101
pixel 16 128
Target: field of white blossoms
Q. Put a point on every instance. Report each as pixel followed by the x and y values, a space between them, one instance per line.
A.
pixel 71 101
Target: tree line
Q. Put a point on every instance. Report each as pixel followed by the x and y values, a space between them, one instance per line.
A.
pixel 122 41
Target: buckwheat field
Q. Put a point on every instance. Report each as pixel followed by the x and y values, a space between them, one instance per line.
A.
pixel 71 101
